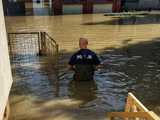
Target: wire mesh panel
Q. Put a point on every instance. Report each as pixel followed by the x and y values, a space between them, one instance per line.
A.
pixel 32 52
pixel 27 47
pixel 49 47
pixel 23 47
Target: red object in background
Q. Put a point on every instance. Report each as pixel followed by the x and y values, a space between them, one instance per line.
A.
pixel 116 7
pixel 57 6
pixel 87 6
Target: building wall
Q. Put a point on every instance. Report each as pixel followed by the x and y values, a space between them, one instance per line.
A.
pixel 149 4
pixel 142 4
pixel 5 70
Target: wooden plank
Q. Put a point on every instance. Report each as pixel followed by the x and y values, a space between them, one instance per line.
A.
pixel 134 109
pixel 153 115
pixel 138 104
pixel 146 115
pixel 128 104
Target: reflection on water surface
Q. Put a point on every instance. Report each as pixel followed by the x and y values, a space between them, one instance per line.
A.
pixel 130 54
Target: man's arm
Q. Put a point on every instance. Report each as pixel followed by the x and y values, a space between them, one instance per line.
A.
pixel 71 67
pixel 96 60
pixel 72 62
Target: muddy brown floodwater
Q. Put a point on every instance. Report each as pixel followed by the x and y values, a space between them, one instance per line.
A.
pixel 129 48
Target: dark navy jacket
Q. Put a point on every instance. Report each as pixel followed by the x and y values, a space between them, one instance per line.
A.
pixel 84 57
pixel 85 61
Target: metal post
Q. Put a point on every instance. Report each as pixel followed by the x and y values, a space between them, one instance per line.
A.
pixel 9 44
pixel 57 55
pixel 43 43
pixel 45 46
pixel 39 44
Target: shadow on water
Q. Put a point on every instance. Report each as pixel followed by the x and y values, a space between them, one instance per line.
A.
pixel 134 68
pixel 131 68
pixel 129 20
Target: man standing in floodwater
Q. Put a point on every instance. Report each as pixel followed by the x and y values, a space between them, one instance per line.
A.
pixel 84 62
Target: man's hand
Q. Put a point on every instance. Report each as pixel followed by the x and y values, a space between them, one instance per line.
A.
pixel 71 67
pixel 99 66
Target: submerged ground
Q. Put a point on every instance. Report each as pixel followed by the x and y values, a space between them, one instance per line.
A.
pixel 129 48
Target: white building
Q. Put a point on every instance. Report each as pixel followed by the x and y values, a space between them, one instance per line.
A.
pixel 5 70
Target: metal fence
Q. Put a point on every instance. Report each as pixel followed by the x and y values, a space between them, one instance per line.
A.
pixel 27 46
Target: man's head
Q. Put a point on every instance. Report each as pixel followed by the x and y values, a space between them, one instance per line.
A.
pixel 83 42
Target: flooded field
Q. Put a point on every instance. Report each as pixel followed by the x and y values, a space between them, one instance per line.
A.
pixel 129 48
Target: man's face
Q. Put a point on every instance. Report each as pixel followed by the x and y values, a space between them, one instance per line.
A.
pixel 83 43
